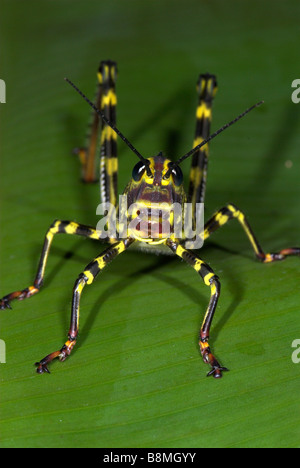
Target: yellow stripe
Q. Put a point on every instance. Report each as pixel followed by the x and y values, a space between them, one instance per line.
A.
pixel 233 210
pixel 80 287
pixel 196 175
pixel 108 134
pixel 109 99
pixel 90 277
pixel 207 278
pixel 111 165
pixel 203 344
pixel 101 263
pixel 120 247
pixel 197 142
pixel 50 235
pixel 221 218
pixel 94 235
pixel 100 78
pixel 201 91
pixel 180 251
pixel 71 228
pixel 203 111
pixel 55 228
pixel 198 265
pixel 241 218
pixel 213 289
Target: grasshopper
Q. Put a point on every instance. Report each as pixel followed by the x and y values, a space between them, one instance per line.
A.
pixel 156 182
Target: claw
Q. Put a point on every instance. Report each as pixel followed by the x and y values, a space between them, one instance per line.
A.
pixel 17 295
pixel 209 358
pixel 42 368
pixel 62 354
pixel 4 304
pixel 217 372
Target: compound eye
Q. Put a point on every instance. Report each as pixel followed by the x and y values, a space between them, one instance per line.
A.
pixel 138 171
pixel 177 176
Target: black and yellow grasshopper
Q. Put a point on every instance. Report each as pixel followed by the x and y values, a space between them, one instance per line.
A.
pixel 156 182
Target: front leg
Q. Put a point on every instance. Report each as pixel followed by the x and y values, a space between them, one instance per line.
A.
pixel 211 280
pixel 57 227
pixel 87 277
pixel 65 351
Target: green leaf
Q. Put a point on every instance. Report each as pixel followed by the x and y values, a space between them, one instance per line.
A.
pixel 135 378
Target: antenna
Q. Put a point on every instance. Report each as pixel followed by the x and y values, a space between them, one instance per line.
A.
pixel 111 125
pixel 196 148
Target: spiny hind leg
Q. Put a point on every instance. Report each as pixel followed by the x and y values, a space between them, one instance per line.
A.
pixel 105 100
pixel 207 88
